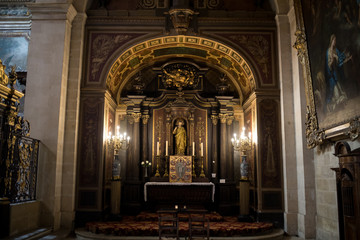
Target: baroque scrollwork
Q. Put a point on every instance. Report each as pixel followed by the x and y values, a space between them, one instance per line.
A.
pixel 147 3
pixel 180 76
pixel 354 129
pixel 313 134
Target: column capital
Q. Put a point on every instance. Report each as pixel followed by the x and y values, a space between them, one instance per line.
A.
pixel 223 117
pixel 214 119
pixel 145 119
pixel 136 117
pixel 229 120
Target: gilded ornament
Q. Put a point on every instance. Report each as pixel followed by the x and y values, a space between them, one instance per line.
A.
pixel 223 117
pixel 180 76
pixel 313 134
pixel 136 117
pixel 300 45
pixel 4 80
pixel 145 119
pixel 214 119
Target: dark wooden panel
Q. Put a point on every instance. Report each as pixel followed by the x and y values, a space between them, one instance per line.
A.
pixel 272 200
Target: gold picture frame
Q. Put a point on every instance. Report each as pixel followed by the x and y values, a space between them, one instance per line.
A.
pixel 180 169
pixel 329 116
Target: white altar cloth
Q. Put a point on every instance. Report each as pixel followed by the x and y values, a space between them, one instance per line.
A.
pixel 179 184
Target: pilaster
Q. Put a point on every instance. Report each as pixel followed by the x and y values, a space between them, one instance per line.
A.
pixel 46 90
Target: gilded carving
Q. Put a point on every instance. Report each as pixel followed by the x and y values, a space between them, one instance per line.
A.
pixel 214 119
pixel 313 134
pixel 300 45
pixel 223 117
pixel 180 76
pixel 230 120
pixel 136 117
pixel 145 119
pixel 183 46
pixel 4 79
pixel 200 128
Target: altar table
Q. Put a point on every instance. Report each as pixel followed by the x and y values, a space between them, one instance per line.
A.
pixel 179 193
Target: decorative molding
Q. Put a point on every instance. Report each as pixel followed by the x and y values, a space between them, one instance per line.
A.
pixel 314 136
pixel 138 55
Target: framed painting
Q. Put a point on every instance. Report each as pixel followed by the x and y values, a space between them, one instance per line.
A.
pixel 180 169
pixel 328 44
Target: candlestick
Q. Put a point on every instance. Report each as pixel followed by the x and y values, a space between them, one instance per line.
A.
pixel 157 174
pixel 166 148
pixel 193 152
pixel 202 149
pixel 157 149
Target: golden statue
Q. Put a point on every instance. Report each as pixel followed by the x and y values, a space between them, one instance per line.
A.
pixel 180 138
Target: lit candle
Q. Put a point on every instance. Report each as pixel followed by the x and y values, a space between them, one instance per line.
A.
pixel 202 149
pixel 166 148
pixel 157 149
pixel 193 153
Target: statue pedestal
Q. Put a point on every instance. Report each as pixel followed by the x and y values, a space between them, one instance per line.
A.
pixel 244 189
pixel 115 199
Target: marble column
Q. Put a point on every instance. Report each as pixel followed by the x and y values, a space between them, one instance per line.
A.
pixel 145 153
pixel 46 96
pixel 230 155
pixel 215 163
pixel 135 164
pixel 130 151
pixel 223 148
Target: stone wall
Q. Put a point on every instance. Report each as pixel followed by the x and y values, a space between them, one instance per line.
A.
pixel 327 225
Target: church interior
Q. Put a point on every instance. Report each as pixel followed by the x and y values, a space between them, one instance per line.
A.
pixel 244 113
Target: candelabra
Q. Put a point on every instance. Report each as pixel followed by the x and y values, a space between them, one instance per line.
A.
pixel 117 142
pixel 243 144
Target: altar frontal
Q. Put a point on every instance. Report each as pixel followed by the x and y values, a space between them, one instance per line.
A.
pixel 180 169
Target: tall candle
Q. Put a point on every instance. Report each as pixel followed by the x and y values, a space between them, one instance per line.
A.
pixel 202 149
pixel 157 149
pixel 166 148
pixel 193 153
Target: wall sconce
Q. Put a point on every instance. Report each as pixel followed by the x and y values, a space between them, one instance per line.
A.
pixel 117 142
pixel 243 144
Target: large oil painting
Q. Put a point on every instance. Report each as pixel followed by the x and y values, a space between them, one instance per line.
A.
pixel 332 30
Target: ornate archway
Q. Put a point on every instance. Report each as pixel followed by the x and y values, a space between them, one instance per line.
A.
pixel 213 53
